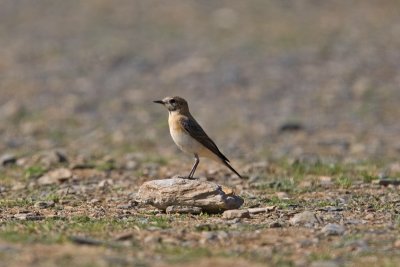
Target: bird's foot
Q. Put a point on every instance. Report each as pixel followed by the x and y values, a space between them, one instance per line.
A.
pixel 186 177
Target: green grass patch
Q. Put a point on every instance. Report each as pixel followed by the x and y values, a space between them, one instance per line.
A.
pixel 283 203
pixel 344 181
pixel 19 202
pixel 35 171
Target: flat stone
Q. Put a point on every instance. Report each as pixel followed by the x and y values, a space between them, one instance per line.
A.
pixel 232 214
pixel 124 236
pixel 7 159
pixel 388 181
pixel 208 196
pixel 81 240
pixel 333 229
pixel 183 210
pixel 28 216
pixel 55 176
pixel 44 204
pixel 261 210
pixel 305 218
pixel 275 224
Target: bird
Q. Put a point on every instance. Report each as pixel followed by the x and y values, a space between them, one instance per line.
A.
pixel 189 136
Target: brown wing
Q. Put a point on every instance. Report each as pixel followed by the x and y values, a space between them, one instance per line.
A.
pixel 195 131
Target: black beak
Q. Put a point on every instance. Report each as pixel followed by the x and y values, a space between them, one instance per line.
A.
pixel 159 102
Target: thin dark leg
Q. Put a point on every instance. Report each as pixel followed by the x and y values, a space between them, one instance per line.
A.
pixel 190 176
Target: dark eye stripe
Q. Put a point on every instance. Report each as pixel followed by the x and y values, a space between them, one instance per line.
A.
pixel 172 101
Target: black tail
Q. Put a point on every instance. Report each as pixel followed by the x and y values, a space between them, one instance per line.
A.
pixel 232 169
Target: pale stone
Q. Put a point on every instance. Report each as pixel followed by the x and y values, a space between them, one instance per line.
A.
pixel 305 218
pixel 55 176
pixel 232 214
pixel 208 196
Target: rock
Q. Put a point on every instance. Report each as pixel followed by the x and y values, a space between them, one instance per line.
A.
pixel 282 195
pixel 184 192
pixel 261 210
pixel 305 218
pixel 396 243
pixel 275 224
pixel 81 240
pixel 123 236
pixel 152 239
pixel 94 201
pixel 7 159
pixel 207 237
pixel 333 229
pixel 325 181
pixel 291 127
pixel 369 216
pixel 49 158
pixel 105 183
pixel 388 181
pixel 28 216
pixel 44 204
pixel 183 210
pixel 232 214
pixel 55 176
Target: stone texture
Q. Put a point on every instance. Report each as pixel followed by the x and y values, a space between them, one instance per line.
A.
pixel 305 218
pixel 55 176
pixel 30 216
pixel 333 229
pixel 44 204
pixel 232 214
pixel 208 196
pixel 261 210
pixel 7 159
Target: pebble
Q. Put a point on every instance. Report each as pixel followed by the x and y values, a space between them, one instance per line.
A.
pixel 305 218
pixel 397 243
pixel 123 236
pixel 59 175
pixel 275 224
pixel 7 159
pixel 94 201
pixel 125 206
pixel 49 158
pixel 28 216
pixel 213 236
pixel 81 240
pixel 105 183
pixel 333 229
pixel 44 204
pixel 325 181
pixel 388 181
pixel 232 214
pixel 369 216
pixel 282 195
pixel 261 210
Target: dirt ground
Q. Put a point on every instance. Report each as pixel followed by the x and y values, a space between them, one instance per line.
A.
pixel 302 96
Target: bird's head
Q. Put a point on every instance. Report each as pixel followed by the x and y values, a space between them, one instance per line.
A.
pixel 174 103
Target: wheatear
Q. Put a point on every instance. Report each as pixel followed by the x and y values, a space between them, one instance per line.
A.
pixel 188 134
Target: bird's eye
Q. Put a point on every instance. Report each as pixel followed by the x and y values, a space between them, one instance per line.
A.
pixel 172 101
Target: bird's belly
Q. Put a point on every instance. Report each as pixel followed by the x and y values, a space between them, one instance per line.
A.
pixel 185 142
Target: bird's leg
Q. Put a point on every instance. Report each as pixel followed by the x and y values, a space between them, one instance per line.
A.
pixel 190 176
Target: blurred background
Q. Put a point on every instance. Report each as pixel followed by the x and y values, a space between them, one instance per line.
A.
pixel 266 79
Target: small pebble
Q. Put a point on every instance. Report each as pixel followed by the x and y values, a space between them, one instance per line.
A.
pixel 232 214
pixel 333 229
pixel 44 204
